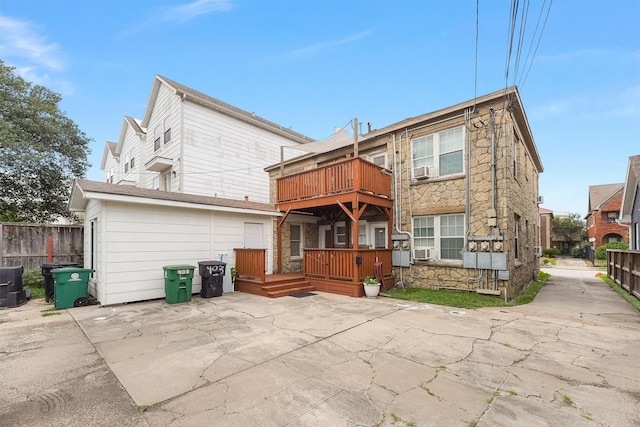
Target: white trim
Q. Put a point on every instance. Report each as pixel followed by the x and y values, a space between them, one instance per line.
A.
pixel 157 202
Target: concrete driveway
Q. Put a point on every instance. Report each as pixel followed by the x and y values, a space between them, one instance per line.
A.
pixel 570 358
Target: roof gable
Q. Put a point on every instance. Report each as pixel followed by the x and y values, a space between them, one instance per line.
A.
pixel 109 150
pixel 132 124
pixel 599 194
pixel 214 104
pixel 631 188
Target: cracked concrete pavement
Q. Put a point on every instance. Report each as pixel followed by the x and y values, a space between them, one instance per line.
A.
pixel 569 358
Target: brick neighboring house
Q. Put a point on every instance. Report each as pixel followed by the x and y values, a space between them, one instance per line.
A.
pixel 605 202
pixel 546 215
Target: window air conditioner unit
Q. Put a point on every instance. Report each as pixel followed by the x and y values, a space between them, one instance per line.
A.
pixel 540 200
pixel 537 250
pixel 424 172
pixel 421 254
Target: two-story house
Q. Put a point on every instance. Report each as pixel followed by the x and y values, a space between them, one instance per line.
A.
pixel 447 199
pixel 185 183
pixel 603 219
pixel 630 206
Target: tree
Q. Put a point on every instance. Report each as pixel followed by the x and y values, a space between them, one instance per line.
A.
pixel 570 229
pixel 41 151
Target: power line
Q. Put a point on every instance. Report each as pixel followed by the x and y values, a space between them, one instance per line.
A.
pixel 475 83
pixel 539 39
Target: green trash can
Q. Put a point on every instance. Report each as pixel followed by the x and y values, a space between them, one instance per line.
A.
pixel 178 283
pixel 70 285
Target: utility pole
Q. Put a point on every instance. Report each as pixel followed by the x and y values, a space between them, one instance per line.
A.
pixel 355 137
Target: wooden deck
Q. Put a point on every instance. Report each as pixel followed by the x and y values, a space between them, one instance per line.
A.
pixel 274 285
pixel 280 285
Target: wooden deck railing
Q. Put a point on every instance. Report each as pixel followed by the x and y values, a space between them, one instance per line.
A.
pixel 251 263
pixel 342 177
pixel 623 267
pixel 340 264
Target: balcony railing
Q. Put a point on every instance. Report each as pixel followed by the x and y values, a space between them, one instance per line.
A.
pixel 351 265
pixel 342 177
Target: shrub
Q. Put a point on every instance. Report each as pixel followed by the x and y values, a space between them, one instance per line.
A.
pixel 551 252
pixel 32 278
pixel 601 252
pixel 578 252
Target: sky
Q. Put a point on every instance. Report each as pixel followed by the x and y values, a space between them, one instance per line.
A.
pixel 313 65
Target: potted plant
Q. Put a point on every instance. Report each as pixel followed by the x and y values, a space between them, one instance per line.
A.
pixel 371 287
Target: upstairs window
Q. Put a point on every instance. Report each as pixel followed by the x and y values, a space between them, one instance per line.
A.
pixel 438 154
pixel 167 130
pixel 157 134
pixel 612 216
pixel 133 158
pixel 379 159
pixel 126 163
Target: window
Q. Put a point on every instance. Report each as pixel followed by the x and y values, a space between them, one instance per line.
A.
pixel 379 159
pixel 443 234
pixel 167 130
pixel 133 158
pixel 441 153
pixel 126 163
pixel 341 234
pixel 157 133
pixel 295 240
pixel 155 185
pixel 516 236
pixel 612 216
pixel 362 235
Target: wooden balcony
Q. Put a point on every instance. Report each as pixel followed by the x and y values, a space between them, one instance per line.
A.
pixel 351 180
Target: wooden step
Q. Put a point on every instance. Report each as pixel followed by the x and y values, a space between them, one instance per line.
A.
pixel 290 291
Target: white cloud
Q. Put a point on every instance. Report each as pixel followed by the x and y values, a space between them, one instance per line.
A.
pixel 183 13
pixel 34 58
pixel 317 47
pixel 20 40
pixel 178 15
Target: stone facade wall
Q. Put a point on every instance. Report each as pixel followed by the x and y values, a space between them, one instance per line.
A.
pixel 515 193
pixel 310 240
pixel 447 195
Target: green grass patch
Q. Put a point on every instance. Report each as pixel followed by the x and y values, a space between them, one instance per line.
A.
pixel 545 260
pixel 36 293
pixel 468 300
pixel 635 302
pixel 50 313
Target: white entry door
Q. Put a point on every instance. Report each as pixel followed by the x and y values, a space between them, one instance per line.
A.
pixel 253 235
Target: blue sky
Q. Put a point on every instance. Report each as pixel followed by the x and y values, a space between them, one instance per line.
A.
pixel 313 65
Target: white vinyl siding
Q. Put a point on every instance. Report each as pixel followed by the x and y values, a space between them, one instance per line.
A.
pixel 226 157
pixel 136 241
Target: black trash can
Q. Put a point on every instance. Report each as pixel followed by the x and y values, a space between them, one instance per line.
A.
pixel 49 288
pixel 212 273
pixel 11 292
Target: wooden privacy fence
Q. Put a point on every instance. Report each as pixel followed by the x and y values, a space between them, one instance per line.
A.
pixel 27 244
pixel 623 267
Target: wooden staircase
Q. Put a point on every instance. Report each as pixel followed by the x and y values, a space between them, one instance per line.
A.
pixel 274 285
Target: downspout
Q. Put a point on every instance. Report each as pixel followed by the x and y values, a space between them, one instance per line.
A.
pixel 182 132
pixel 492 123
